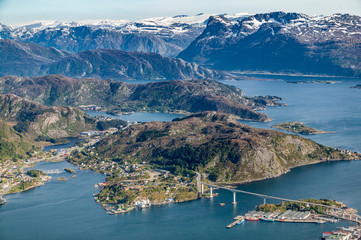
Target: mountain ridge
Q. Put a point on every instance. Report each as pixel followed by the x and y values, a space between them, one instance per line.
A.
pixel 118 97
pixel 280 42
pixel 166 36
pixel 28 59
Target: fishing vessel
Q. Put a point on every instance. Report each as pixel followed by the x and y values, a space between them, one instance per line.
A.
pixel 252 218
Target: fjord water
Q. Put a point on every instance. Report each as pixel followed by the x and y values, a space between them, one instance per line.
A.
pixel 66 210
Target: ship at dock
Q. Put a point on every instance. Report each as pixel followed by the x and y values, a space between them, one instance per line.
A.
pixel 251 218
pixel 267 219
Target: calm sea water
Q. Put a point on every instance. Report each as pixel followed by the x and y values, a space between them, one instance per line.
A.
pixel 66 210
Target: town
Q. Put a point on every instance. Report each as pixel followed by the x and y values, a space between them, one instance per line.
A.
pixel 131 184
pixel 14 178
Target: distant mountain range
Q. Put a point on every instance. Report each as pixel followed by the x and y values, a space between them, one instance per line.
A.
pixel 277 42
pixel 164 35
pixel 281 42
pixel 165 96
pixel 29 59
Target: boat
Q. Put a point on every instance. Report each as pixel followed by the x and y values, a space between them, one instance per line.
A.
pixel 222 204
pixel 320 222
pixel 240 221
pixel 252 218
pixel 267 219
pixel 2 201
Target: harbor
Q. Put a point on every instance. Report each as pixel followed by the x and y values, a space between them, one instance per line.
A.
pixel 289 216
pixel 284 217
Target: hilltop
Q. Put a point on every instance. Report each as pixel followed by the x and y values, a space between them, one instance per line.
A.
pixel 217 145
pixel 279 42
pixel 35 120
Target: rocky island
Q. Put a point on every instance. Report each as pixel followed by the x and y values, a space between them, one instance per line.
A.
pixel 69 170
pixel 298 127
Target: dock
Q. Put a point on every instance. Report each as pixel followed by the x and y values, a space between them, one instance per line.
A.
pixel 239 219
pixel 295 221
pixel 233 224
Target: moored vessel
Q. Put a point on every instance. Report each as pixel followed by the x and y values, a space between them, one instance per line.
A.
pixel 252 218
pixel 267 219
pixel 240 221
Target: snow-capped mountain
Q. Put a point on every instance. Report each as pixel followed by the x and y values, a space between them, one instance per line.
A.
pixel 281 42
pixel 164 35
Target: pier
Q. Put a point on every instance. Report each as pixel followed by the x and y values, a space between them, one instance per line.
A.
pixel 239 219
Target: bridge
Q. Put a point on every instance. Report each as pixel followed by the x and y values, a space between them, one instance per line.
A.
pixel 332 210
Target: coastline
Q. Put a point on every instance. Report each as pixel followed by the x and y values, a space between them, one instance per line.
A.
pixel 37 184
pixel 34 181
pixel 234 183
pixel 231 184
pixel 261 73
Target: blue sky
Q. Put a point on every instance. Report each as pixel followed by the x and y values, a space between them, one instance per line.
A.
pixel 20 11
